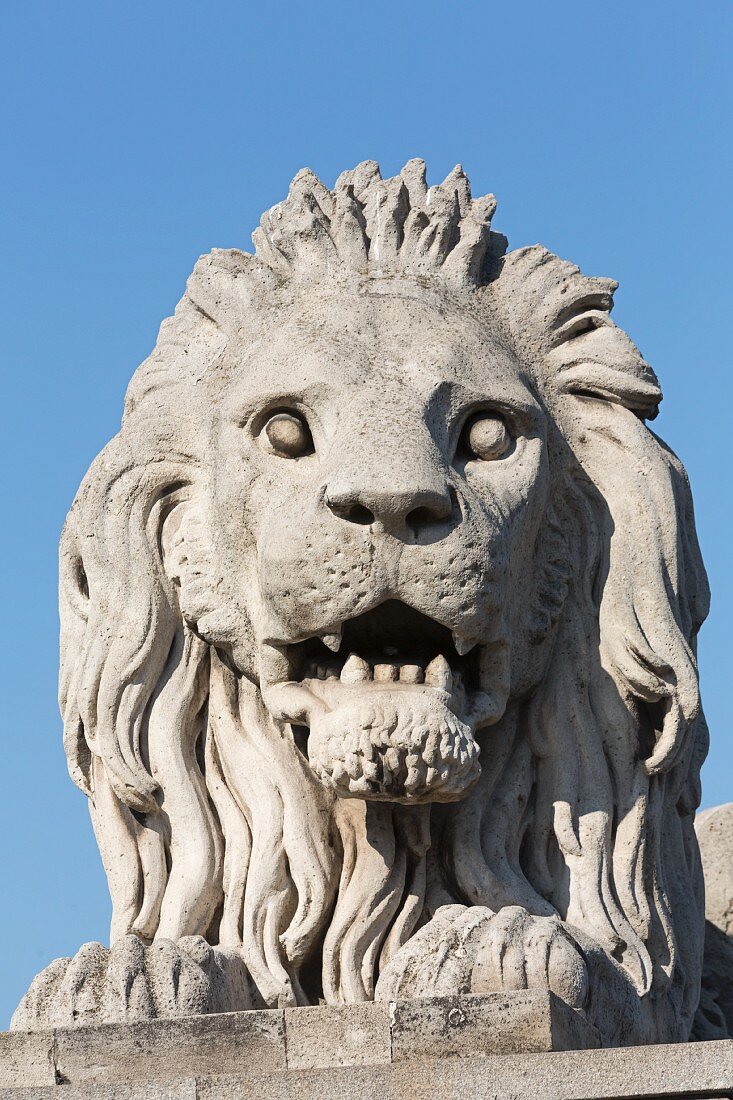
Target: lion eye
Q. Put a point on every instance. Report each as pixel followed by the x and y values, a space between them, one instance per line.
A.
pixel 487 437
pixel 289 435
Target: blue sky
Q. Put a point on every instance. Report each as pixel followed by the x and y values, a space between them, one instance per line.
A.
pixel 140 135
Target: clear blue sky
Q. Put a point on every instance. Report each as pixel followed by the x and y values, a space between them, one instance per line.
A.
pixel 141 134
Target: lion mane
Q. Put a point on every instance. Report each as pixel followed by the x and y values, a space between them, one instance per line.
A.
pixel 208 818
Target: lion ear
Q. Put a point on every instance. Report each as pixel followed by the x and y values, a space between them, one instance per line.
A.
pixel 565 316
pixel 592 357
pixel 226 286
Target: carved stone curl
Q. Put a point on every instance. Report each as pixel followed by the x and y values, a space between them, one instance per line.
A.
pixel 378 634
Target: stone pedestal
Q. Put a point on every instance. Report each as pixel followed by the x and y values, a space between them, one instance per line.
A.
pixel 504 1047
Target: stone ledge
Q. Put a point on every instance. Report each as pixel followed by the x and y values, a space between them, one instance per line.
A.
pixel 680 1072
pixel 702 1071
pixel 271 1041
pixel 516 1046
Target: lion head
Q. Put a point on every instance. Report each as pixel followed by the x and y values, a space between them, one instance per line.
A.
pixel 385 596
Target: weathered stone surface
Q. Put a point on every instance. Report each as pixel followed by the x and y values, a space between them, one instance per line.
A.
pixel 714 830
pixel 378 637
pixel 349 1035
pixel 665 1071
pixel 464 1047
pixel 268 1042
pixel 495 1024
pixel 26 1058
pixel 683 1071
pixel 162 1049
pixel 697 1070
pixel 150 1090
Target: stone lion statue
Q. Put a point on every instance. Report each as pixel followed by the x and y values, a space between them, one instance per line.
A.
pixel 378 635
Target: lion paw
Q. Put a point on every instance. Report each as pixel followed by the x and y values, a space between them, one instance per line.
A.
pixel 473 950
pixel 521 951
pixel 130 981
pixel 438 959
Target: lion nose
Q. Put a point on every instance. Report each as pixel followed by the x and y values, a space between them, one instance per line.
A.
pixel 396 508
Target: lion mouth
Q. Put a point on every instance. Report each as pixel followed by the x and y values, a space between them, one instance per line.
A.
pixel 391 645
pixel 387 707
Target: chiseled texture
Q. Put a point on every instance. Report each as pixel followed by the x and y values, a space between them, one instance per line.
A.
pixel 378 635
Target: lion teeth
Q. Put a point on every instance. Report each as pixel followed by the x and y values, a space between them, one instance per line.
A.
pixel 371 771
pixel 438 674
pixel 333 641
pixel 355 670
pixel 463 646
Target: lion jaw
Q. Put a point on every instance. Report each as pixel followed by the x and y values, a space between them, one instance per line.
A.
pixel 397 746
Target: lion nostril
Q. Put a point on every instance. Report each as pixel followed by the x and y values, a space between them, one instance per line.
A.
pixel 436 511
pixel 357 513
pixel 419 518
pixel 352 512
pixel 397 511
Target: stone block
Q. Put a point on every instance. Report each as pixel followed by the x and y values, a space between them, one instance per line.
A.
pixel 170 1049
pixel 184 1089
pixel 26 1058
pixel 353 1035
pixel 496 1023
pixel 679 1071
